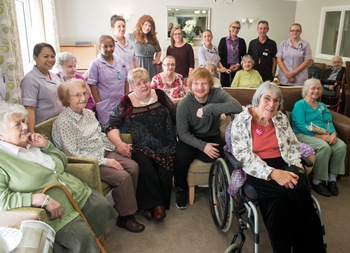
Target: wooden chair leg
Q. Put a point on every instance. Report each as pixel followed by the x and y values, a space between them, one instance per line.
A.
pixel 191 194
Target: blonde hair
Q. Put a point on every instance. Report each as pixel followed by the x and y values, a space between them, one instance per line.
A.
pixel 138 73
pixel 172 41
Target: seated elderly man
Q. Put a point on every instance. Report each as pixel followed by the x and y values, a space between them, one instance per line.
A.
pixel 28 164
pixel 335 73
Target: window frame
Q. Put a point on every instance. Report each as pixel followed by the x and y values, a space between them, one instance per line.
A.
pixel 324 10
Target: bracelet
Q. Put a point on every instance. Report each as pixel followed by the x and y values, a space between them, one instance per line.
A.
pixel 46 201
pixel 118 144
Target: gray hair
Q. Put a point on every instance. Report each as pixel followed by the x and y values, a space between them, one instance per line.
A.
pixel 62 58
pixel 210 64
pixel 308 83
pixel 7 110
pixel 246 57
pixel 263 89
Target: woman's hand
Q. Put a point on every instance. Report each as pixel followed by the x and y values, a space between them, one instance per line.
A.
pixel 284 178
pixel 37 140
pixel 211 151
pixel 114 164
pixel 235 67
pixel 330 139
pixel 55 209
pixel 290 74
pixel 124 149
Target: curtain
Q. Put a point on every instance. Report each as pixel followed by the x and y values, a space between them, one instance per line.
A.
pixel 50 24
pixel 10 53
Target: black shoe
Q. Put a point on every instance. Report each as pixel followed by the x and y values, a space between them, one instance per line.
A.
pixel 333 188
pixel 131 225
pixel 181 198
pixel 321 189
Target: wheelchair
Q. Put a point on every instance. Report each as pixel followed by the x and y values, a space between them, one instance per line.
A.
pixel 224 207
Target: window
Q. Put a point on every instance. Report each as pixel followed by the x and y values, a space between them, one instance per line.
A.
pixel 23 23
pixel 334 33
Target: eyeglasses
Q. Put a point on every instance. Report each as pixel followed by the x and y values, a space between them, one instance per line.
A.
pixel 79 95
pixel 236 27
pixel 295 31
pixel 177 34
pixel 267 100
pixel 169 65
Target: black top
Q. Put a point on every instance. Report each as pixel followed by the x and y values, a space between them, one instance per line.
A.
pixel 263 55
pixel 242 48
pixel 327 73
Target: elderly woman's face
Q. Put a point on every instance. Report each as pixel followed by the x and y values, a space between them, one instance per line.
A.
pixel 169 66
pixel 69 69
pixel 268 105
pixel 16 132
pixel 141 88
pixel 314 92
pixel 78 97
pixel 247 64
pixel 211 70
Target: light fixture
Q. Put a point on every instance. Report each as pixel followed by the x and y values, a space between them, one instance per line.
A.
pixel 225 1
pixel 204 11
pixel 127 17
pixel 196 12
pixel 247 21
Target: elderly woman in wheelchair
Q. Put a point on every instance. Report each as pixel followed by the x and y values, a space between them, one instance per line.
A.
pixel 264 143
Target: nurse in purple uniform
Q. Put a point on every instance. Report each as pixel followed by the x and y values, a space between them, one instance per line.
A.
pixel 107 79
pixel 124 48
pixel 39 87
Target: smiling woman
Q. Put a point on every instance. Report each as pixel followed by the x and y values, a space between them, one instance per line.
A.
pixel 39 87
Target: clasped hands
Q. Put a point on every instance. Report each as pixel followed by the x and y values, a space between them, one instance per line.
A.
pixel 284 178
pixel 124 149
pixel 330 139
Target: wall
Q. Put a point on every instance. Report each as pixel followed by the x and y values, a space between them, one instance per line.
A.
pixel 81 20
pixel 308 13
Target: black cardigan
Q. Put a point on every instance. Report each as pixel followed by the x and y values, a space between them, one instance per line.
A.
pixel 242 48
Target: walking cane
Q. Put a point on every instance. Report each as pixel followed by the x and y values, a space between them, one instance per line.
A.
pixel 76 207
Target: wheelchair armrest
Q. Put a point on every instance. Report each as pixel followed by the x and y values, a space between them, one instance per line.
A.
pixel 306 162
pixel 232 160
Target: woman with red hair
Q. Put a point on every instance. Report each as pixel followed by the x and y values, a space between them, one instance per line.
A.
pixel 147 48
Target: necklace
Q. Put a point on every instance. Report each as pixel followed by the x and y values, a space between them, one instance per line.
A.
pixel 148 102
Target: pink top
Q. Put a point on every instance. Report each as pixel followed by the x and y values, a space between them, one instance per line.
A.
pixel 173 90
pixel 91 103
pixel 265 143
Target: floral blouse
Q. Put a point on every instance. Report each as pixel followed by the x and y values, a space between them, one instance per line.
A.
pixel 174 90
pixel 242 144
pixel 151 127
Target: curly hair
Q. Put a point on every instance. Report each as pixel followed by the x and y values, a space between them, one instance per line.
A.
pixel 200 72
pixel 151 36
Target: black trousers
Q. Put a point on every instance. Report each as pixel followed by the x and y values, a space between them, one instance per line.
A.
pixel 288 214
pixel 185 154
pixel 154 184
pixel 226 79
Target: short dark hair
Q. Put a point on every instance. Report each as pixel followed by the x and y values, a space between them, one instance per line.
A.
pixel 105 37
pixel 38 47
pixel 263 22
pixel 116 18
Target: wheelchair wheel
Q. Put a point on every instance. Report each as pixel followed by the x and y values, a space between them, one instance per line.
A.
pixel 221 203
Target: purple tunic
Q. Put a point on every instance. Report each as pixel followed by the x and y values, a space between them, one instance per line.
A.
pixel 110 82
pixel 126 52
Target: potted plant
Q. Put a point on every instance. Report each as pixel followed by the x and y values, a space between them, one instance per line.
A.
pixel 189 30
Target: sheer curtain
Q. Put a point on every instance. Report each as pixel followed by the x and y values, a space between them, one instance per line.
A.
pixel 10 53
pixel 50 24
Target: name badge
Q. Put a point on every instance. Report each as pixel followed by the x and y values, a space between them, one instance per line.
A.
pixel 265 54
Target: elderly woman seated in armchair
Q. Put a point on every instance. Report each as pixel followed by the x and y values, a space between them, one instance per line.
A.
pixel 77 132
pixel 265 144
pixel 28 164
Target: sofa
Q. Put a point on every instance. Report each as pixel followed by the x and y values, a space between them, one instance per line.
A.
pixel 291 95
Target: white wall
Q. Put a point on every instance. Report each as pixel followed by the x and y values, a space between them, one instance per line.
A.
pixel 86 20
pixel 308 13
